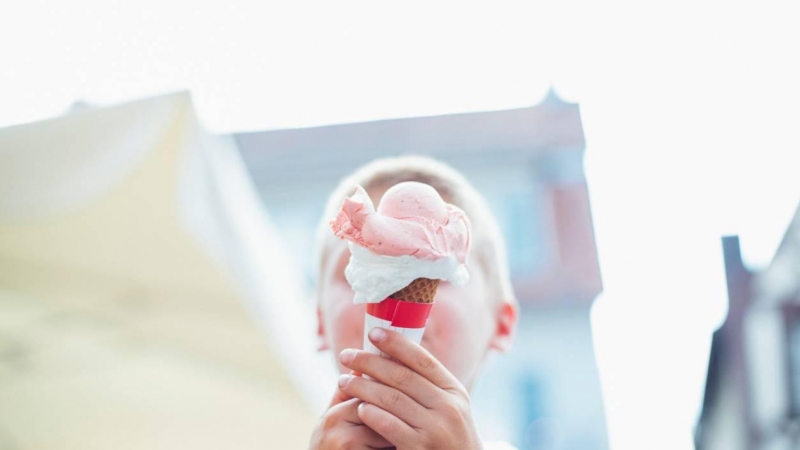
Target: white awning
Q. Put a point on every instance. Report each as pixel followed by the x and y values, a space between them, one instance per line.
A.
pixel 141 198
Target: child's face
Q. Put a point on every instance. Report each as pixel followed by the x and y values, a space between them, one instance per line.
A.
pixel 463 323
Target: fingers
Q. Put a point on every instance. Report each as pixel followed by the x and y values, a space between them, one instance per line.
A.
pixel 344 429
pixel 371 439
pixel 415 358
pixel 386 397
pixel 392 374
pixel 339 396
pixel 387 425
pixel 346 412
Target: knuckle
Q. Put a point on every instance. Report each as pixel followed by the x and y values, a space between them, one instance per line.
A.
pixel 452 410
pixel 329 421
pixel 425 362
pixel 347 442
pixel 391 396
pixel 401 375
pixel 439 431
pixel 341 441
pixel 462 394
pixel 387 426
pixel 459 392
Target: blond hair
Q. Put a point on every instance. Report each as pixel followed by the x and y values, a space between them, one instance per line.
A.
pixel 488 244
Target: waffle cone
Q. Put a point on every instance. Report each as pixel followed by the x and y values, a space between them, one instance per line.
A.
pixel 421 290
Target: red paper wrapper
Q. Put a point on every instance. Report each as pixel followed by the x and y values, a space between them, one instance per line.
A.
pixel 407 318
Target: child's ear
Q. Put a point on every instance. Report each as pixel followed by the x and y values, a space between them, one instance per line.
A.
pixel 322 342
pixel 505 327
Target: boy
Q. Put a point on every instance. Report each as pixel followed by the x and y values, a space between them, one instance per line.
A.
pixel 420 398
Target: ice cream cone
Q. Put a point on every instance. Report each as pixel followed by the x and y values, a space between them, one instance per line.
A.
pixel 406 312
pixel 421 290
pixel 399 252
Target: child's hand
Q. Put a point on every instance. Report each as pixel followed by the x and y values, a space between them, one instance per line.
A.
pixel 340 428
pixel 415 403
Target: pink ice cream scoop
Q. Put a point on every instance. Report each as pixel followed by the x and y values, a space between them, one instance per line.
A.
pixel 411 219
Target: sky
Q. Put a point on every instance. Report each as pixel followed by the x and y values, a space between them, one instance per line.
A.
pixel 256 65
pixel 690 111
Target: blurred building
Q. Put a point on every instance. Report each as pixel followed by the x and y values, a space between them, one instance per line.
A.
pixel 752 399
pixel 528 163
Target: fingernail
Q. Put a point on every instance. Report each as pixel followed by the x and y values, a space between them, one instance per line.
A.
pixel 377 334
pixel 344 379
pixel 346 357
